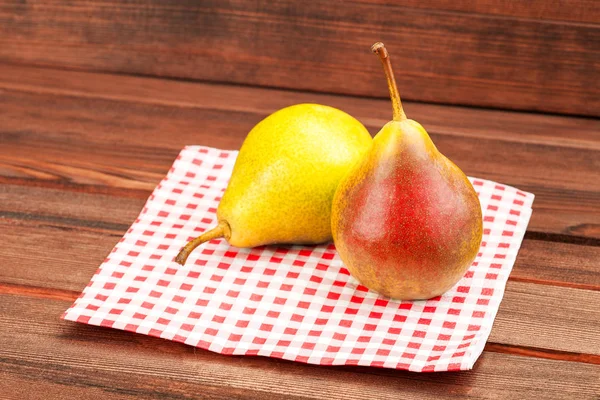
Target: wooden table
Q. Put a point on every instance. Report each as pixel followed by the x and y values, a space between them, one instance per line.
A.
pixel 80 152
pixel 97 99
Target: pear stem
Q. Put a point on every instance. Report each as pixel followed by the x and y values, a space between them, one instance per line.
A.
pixel 220 231
pixel 379 49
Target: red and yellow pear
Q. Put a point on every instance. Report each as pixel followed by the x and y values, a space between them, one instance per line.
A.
pixel 406 221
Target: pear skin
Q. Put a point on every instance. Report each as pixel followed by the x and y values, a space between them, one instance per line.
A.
pixel 285 176
pixel 406 221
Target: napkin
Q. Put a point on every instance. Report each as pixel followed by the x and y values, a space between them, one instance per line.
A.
pixel 292 302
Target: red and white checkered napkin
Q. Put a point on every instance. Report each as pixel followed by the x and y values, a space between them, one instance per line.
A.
pixel 293 302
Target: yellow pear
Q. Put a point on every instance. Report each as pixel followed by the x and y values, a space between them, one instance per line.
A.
pixel 285 177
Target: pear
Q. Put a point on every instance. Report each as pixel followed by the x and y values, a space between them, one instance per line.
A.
pixel 285 176
pixel 406 221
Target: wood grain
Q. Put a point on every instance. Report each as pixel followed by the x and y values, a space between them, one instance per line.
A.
pixel 52 256
pixel 558 264
pixel 450 120
pixel 452 56
pixel 80 152
pixel 53 354
pixel 69 208
pixel 38 292
pixel 21 386
pixel 529 315
pixel 127 131
pixel 66 257
pixel 543 353
pixel 558 10
pixel 73 233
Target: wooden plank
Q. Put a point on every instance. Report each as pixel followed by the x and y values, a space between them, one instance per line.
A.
pixel 542 353
pixel 554 157
pixel 558 264
pixel 441 56
pixel 48 255
pixel 65 258
pixel 48 353
pixel 21 386
pixel 443 119
pixel 78 225
pixel 112 213
pixel 558 10
pixel 529 315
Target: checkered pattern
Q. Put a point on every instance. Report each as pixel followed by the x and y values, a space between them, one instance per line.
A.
pixel 292 302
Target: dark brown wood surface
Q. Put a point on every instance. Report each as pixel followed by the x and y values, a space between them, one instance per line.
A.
pixel 50 356
pixel 80 152
pixel 531 55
